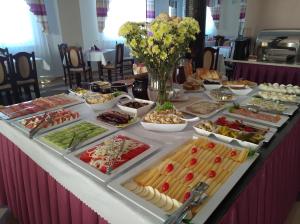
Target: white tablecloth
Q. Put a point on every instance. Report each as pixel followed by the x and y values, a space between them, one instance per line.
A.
pixel 99 198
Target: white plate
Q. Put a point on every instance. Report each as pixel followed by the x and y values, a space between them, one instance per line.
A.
pixel 183 109
pixel 74 157
pixel 241 92
pixel 268 136
pixel 211 203
pixel 60 151
pixel 140 111
pixel 107 105
pixel 278 124
pixel 17 123
pixel 291 109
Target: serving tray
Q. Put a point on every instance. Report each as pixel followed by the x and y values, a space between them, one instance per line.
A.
pixel 267 137
pixel 74 157
pixel 291 108
pixel 208 93
pixel 211 203
pixel 60 151
pixel 76 101
pixel 17 123
pixel 281 122
pixel 183 109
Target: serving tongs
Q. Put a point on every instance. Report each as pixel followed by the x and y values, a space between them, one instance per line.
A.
pixel 76 140
pixel 45 120
pixel 196 198
pixel 257 109
pixel 112 159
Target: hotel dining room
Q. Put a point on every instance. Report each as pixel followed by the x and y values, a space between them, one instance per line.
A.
pixel 149 111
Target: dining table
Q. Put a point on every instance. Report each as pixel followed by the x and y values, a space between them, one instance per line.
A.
pixel 40 186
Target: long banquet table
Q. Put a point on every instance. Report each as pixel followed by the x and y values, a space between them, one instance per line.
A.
pixel 41 187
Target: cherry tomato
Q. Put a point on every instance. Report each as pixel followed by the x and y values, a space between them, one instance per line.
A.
pixel 186 196
pixel 165 187
pixel 189 176
pixel 194 150
pixel 218 159
pixel 193 161
pixel 170 168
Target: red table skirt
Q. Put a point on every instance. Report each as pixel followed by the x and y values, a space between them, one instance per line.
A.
pixel 35 197
pixel 267 73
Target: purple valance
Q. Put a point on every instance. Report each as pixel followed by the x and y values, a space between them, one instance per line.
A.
pixel 38 9
pixel 102 12
pixel 150 14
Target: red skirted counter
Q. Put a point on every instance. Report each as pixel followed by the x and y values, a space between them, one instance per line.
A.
pixel 267 72
pixel 264 195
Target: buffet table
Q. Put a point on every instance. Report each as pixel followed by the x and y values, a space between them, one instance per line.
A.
pixel 261 72
pixel 39 186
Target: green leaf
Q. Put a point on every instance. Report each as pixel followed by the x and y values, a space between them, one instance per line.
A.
pixel 165 106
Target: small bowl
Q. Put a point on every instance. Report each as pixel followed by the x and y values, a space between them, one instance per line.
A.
pixel 212 86
pixel 108 104
pixel 241 91
pixel 139 111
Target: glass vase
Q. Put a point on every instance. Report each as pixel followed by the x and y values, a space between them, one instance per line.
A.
pixel 160 86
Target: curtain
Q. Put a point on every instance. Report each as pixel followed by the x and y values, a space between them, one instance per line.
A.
pixel 242 16
pixel 38 8
pixel 215 6
pixel 102 7
pixel 150 10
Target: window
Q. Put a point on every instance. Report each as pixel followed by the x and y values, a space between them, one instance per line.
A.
pixel 121 11
pixel 15 23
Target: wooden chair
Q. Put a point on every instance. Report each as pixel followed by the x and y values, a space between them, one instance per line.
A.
pixel 76 65
pixel 4 52
pixel 219 40
pixel 62 48
pixel 210 58
pixel 116 68
pixel 7 83
pixel 25 74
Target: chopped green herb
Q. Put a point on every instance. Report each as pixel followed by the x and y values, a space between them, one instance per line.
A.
pixel 165 106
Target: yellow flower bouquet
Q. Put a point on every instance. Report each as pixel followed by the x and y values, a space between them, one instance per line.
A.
pixel 159 46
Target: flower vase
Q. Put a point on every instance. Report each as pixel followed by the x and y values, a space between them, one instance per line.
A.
pixel 160 89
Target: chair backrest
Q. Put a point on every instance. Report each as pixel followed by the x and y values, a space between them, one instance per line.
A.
pixel 119 54
pixel 210 58
pixel 219 40
pixel 24 66
pixel 74 57
pixel 62 48
pixel 4 52
pixel 5 70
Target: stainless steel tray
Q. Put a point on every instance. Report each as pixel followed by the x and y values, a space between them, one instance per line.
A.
pixel 211 203
pixel 278 124
pixel 183 109
pixel 268 136
pixel 234 97
pixel 289 111
pixel 17 123
pixel 3 116
pixel 53 147
pixel 74 157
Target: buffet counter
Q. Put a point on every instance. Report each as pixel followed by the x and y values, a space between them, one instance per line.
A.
pixel 39 186
pixel 260 72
